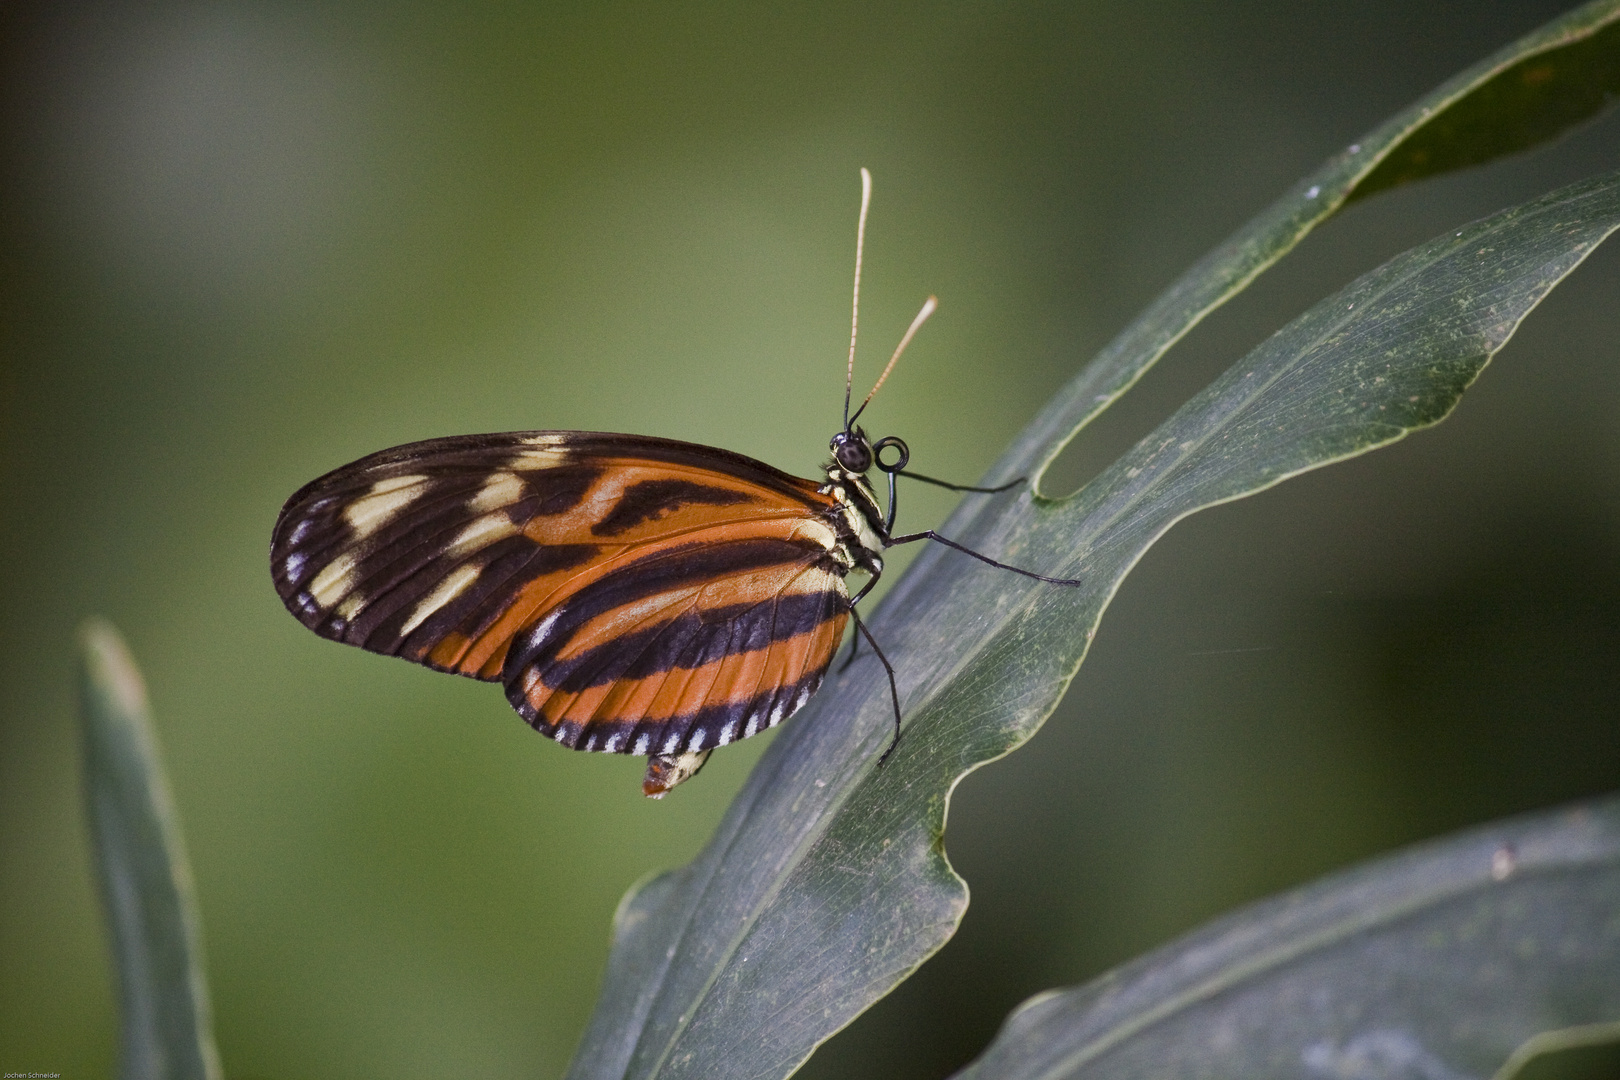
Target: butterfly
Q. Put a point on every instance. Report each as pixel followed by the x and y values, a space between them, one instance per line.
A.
pixel 634 595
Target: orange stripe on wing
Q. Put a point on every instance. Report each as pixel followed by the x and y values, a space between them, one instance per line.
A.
pixel 753 587
pixel 741 694
pixel 484 653
pixel 616 493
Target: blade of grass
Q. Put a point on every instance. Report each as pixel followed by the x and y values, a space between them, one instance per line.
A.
pixel 166 1024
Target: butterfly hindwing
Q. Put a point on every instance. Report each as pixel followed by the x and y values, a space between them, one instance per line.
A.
pixel 647 661
pixel 631 592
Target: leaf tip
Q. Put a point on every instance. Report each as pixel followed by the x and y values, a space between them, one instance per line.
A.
pixel 110 668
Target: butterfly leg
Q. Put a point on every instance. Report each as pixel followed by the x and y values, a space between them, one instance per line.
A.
pixel 932 535
pixel 894 692
pixel 947 485
pixel 854 650
pixel 855 641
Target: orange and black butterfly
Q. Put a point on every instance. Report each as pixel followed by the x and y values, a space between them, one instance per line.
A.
pixel 634 595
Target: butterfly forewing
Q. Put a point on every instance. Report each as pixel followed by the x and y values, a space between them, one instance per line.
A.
pixel 634 594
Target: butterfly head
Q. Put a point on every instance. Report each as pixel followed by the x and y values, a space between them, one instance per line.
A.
pixel 854 453
pixel 852 450
pixel 864 528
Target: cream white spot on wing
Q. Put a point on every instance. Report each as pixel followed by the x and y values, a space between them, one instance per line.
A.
pixel 817 531
pixel 537 636
pixel 815 580
pixel 538 458
pixel 351 606
pixel 501 489
pixel 671 743
pixel 779 711
pixel 728 732
pixel 386 498
pixel 481 533
pixel 613 741
pixel 334 581
pixel 641 743
pixel 753 725
pixel 454 584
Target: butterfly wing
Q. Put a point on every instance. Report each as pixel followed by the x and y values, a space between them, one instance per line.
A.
pixel 632 593
pixel 683 648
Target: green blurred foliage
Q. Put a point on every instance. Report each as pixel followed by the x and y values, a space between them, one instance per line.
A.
pixel 1581 1063
pixel 246 243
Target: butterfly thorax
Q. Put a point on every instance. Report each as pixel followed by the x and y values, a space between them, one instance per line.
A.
pixel 857 520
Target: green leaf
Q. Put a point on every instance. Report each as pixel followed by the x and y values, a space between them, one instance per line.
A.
pixel 827 883
pixel 1458 958
pixel 1524 100
pixel 1524 94
pixel 167 1030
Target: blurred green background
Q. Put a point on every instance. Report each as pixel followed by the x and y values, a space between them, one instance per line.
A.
pixel 246 242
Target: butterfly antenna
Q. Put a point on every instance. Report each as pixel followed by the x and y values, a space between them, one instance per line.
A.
pixel 922 316
pixel 855 305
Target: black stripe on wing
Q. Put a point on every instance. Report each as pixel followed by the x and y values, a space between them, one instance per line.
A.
pixel 368 586
pixel 687 644
pixel 667 571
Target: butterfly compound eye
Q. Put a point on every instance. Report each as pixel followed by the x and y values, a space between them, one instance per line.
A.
pixel 852 451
